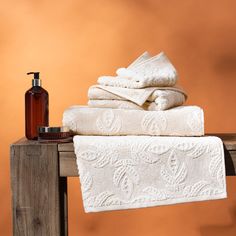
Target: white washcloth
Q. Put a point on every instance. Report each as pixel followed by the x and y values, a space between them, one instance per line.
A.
pixel 142 99
pixel 144 72
pixel 179 121
pixel 142 171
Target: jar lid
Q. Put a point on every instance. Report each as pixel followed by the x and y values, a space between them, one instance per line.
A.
pixel 50 129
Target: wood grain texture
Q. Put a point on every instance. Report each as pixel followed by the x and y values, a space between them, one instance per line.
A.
pixel 35 189
pixel 63 205
pixel 68 165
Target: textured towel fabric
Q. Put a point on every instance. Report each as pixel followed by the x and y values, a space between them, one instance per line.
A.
pixel 146 71
pixel 179 121
pixel 138 96
pixel 142 171
pixel 116 104
pixel 161 105
pixel 141 99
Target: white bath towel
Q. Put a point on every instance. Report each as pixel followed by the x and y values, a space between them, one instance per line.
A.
pixel 142 99
pixel 144 72
pixel 179 121
pixel 142 171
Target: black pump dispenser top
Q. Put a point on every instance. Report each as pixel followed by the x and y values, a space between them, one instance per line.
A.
pixel 36 81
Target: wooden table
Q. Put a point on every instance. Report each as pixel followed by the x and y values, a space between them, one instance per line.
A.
pixel 39 174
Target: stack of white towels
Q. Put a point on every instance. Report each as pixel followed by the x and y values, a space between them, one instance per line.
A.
pixel 149 83
pixel 131 141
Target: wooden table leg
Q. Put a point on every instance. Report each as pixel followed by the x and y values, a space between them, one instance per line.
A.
pixel 35 189
pixel 63 206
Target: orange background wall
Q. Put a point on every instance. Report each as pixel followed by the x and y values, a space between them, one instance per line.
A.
pixel 72 42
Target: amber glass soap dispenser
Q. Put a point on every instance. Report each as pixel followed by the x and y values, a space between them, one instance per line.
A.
pixel 36 108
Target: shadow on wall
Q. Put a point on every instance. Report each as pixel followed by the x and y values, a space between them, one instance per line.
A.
pixel 229 164
pixel 219 230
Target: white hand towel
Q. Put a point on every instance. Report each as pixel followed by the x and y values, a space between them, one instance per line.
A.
pixel 156 71
pixel 115 97
pixel 161 105
pixel 140 171
pixel 179 121
pixel 138 96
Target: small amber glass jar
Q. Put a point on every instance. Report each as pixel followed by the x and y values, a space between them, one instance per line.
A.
pixel 54 134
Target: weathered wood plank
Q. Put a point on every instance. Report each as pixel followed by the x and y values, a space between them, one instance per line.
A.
pixel 228 139
pixel 63 206
pixel 35 188
pixel 68 166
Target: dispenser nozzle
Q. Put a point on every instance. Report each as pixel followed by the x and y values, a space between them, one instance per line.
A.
pixel 36 81
pixel 36 74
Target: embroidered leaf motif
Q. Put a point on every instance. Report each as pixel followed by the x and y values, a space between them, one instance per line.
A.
pixel 154 124
pixel 133 174
pixel 149 153
pixel 105 157
pixel 214 165
pixel 89 201
pixel 158 149
pixel 166 176
pixel 195 189
pixel 194 121
pixel 148 158
pixel 118 175
pixel 101 162
pixel 220 177
pixel 88 155
pixel 108 122
pixel 185 146
pixel 125 176
pixel 114 157
pixel 181 175
pixel 127 162
pixel 176 175
pixel 102 198
pixel 198 151
pixel 126 186
pixel 86 181
pixel 124 162
pixel 173 163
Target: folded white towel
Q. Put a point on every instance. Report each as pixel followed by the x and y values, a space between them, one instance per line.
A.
pixel 179 121
pixel 144 72
pixel 116 97
pixel 161 105
pixel 140 171
pixel 116 104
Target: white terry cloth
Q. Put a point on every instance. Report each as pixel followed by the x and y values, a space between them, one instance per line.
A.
pixel 178 121
pixel 144 72
pixel 115 97
pixel 161 105
pixel 138 96
pixel 142 171
pixel 116 104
